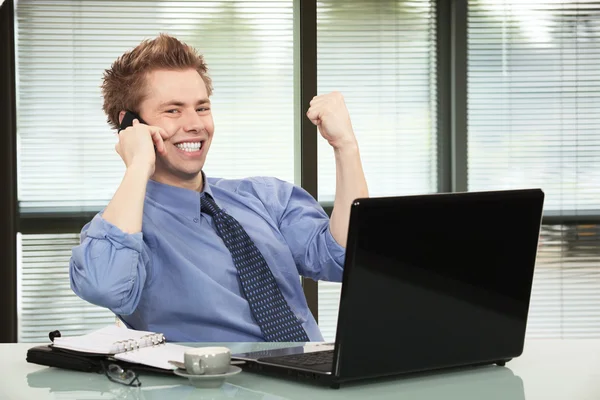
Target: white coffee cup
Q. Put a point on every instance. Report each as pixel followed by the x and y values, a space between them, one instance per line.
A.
pixel 207 360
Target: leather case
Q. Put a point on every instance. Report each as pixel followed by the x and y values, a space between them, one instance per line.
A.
pixel 62 358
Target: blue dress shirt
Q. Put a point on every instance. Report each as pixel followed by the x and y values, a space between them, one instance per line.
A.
pixel 177 277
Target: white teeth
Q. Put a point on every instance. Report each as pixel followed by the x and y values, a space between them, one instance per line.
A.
pixel 189 146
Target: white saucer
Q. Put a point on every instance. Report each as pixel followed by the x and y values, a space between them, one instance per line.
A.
pixel 208 381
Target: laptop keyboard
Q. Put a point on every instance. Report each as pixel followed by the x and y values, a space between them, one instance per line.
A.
pixel 307 360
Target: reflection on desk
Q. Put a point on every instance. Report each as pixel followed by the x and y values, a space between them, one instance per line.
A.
pixel 489 382
pixel 549 370
pixel 96 386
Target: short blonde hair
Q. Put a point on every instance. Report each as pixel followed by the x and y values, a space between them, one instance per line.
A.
pixel 123 86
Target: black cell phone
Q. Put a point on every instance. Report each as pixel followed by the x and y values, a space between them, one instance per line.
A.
pixel 128 120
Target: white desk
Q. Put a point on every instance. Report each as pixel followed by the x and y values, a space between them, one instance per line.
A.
pixel 548 369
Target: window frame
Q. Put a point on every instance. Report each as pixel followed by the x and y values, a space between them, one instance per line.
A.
pixel 8 176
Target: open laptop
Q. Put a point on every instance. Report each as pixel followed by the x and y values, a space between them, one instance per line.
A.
pixel 430 282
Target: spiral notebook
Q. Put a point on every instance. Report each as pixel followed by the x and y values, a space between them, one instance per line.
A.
pixel 121 343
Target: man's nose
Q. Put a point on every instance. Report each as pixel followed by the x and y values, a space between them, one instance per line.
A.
pixel 193 122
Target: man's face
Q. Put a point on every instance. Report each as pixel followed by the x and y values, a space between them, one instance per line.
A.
pixel 177 101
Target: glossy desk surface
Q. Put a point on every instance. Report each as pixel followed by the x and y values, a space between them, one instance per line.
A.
pixel 548 369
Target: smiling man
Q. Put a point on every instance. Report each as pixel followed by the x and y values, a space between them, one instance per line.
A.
pixel 200 258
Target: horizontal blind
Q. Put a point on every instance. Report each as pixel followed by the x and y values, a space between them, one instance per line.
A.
pixel 45 299
pixel 533 117
pixel 566 289
pixel 534 99
pixel 66 149
pixel 381 55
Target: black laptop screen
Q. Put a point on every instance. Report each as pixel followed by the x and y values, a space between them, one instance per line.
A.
pixel 438 280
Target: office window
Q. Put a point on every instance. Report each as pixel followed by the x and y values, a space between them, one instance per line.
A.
pixel 45 299
pixel 566 289
pixel 66 157
pixel 533 117
pixel 381 57
pixel 66 149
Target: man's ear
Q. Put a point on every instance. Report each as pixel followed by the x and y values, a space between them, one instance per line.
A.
pixel 121 115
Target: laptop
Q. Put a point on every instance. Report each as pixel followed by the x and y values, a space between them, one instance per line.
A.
pixel 430 282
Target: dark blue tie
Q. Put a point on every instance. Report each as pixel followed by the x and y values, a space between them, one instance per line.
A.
pixel 270 309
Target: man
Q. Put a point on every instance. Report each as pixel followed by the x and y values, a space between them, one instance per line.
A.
pixel 199 258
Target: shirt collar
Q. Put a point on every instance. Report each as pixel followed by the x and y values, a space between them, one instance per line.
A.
pixel 179 200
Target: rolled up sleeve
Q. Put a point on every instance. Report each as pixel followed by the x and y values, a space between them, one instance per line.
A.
pixel 109 267
pixel 336 251
pixel 305 227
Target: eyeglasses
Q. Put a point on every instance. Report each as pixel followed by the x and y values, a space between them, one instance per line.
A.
pixel 117 374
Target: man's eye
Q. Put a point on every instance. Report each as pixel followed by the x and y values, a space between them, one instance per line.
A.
pixel 203 109
pixel 172 111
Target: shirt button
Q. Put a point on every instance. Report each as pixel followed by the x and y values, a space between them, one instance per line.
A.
pixel 196 219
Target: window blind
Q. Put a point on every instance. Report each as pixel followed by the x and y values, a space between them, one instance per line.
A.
pixel 66 149
pixel 381 56
pixel 45 299
pixel 534 99
pixel 566 288
pixel 66 156
pixel 533 117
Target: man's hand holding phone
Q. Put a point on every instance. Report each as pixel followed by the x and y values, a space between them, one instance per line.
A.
pixel 138 145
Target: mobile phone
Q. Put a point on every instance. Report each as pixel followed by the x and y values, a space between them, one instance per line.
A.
pixel 128 120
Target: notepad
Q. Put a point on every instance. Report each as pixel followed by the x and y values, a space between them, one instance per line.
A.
pixel 121 343
pixel 156 356
pixel 109 340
